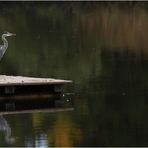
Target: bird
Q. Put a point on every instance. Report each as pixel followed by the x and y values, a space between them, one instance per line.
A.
pixel 5 43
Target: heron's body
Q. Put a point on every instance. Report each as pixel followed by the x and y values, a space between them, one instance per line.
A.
pixel 5 43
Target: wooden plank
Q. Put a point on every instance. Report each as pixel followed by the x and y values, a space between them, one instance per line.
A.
pixel 21 80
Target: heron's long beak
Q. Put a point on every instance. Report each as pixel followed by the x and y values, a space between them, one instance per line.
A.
pixel 13 34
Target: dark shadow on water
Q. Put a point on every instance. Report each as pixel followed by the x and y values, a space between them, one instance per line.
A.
pixel 17 105
pixel 118 103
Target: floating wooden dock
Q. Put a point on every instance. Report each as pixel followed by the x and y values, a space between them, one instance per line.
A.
pixel 29 90
pixel 10 85
pixel 21 80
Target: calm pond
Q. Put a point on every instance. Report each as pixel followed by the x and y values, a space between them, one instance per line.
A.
pixel 102 47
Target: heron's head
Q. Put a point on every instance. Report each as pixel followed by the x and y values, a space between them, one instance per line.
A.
pixel 8 34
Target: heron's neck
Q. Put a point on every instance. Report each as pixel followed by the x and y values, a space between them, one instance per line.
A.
pixel 5 42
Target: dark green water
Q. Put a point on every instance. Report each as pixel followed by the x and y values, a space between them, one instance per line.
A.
pixel 103 48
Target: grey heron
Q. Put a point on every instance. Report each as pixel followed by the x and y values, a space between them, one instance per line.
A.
pixel 5 43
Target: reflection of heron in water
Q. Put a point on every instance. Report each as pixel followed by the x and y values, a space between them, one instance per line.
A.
pixel 5 45
pixel 4 126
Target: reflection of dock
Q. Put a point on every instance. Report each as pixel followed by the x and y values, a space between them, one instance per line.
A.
pixel 5 126
pixel 49 110
pixel 17 92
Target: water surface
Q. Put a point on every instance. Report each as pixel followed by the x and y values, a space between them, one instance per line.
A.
pixel 103 48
